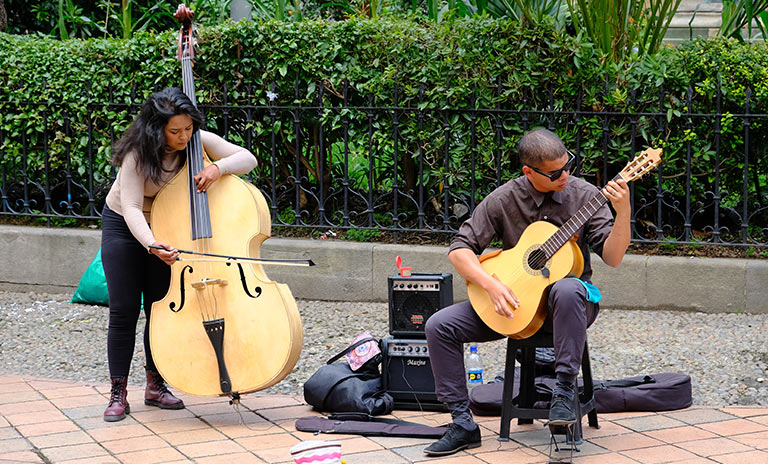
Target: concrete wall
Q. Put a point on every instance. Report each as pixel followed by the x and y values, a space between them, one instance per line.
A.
pixel 694 18
pixel 53 260
pixel 697 18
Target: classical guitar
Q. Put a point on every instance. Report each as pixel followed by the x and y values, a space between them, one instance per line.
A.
pixel 543 255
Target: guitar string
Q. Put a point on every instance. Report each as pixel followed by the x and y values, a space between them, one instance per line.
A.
pixel 557 240
pixel 571 226
pixel 562 235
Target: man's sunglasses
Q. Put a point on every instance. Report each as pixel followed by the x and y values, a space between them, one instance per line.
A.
pixel 554 175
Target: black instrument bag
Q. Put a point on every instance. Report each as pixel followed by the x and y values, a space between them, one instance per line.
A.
pixel 363 424
pixel 666 391
pixel 337 388
pixel 657 392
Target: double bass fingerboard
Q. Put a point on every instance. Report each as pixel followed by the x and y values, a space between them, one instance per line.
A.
pixel 200 216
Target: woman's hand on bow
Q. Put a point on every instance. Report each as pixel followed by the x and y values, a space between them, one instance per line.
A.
pixel 167 253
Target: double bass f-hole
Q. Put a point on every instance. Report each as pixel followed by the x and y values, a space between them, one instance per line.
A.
pixel 200 287
pixel 243 280
pixel 208 284
pixel 172 305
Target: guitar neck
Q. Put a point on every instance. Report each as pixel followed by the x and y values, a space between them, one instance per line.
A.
pixel 575 223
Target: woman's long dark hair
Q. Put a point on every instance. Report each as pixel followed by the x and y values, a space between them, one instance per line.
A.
pixel 146 135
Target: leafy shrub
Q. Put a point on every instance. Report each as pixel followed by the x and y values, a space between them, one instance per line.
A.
pixel 459 94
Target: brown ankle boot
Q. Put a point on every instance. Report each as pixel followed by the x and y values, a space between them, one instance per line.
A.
pixel 118 401
pixel 157 394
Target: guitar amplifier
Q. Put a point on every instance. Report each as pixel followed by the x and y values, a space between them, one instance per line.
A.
pixel 412 300
pixel 407 374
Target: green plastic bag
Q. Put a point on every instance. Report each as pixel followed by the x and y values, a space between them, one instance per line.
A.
pixel 93 285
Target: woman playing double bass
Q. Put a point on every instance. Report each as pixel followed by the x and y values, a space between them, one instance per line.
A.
pixel 149 154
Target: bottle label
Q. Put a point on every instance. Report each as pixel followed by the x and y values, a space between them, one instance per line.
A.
pixel 475 376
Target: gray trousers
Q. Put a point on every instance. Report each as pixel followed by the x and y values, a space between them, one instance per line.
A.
pixel 569 315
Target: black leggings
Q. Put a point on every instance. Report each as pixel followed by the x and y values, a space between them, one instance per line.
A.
pixel 130 271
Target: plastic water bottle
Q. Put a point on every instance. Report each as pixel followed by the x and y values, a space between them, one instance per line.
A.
pixel 474 367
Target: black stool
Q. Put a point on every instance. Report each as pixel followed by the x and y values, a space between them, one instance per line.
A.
pixel 524 411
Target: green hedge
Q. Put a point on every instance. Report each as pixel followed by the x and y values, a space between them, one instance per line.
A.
pixel 457 64
pixel 372 54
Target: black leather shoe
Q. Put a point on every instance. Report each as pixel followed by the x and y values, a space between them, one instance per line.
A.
pixel 454 440
pixel 561 410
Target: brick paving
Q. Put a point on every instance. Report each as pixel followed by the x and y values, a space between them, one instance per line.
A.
pixel 53 421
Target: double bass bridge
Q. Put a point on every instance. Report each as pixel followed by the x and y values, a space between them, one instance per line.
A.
pixel 205 283
pixel 205 291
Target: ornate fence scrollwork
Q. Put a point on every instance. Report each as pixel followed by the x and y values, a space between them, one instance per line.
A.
pixel 334 157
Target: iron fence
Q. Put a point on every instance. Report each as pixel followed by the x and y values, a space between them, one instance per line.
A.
pixel 339 159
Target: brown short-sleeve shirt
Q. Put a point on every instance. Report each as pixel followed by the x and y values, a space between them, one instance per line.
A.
pixel 508 210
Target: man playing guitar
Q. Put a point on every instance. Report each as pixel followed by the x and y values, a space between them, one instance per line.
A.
pixel 545 192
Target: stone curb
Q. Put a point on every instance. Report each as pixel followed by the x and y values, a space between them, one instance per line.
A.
pixel 53 260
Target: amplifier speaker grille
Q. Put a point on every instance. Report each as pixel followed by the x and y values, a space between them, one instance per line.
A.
pixel 412 300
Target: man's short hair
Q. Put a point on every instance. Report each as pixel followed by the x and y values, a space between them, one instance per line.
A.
pixel 540 145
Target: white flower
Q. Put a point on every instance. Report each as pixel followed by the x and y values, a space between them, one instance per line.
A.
pixel 272 96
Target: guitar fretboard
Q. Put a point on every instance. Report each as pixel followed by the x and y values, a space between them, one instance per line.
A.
pixel 576 222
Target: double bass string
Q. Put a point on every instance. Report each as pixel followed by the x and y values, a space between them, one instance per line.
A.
pixel 200 213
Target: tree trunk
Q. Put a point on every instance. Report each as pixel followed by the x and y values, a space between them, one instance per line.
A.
pixel 3 17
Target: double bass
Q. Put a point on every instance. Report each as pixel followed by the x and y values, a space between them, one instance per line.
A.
pixel 223 328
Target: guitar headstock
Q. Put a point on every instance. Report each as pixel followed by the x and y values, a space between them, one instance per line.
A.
pixel 642 163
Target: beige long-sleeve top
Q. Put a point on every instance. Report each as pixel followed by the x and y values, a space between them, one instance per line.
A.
pixel 132 193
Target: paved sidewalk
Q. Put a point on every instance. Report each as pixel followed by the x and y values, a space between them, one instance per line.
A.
pixel 51 421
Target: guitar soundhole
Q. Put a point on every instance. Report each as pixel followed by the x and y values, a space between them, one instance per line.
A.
pixel 537 259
